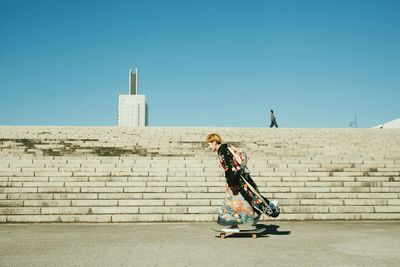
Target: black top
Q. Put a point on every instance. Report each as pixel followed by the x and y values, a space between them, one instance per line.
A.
pixel 226 160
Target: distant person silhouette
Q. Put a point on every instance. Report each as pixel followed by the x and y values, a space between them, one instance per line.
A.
pixel 273 120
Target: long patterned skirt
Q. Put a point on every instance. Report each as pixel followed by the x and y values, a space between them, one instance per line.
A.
pixel 235 210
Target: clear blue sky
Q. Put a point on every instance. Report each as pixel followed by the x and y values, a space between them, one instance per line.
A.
pixel 201 62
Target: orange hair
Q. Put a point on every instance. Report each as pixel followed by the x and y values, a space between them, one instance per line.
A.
pixel 213 137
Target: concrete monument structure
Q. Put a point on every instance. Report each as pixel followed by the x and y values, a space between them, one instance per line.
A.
pixel 165 174
pixel 132 108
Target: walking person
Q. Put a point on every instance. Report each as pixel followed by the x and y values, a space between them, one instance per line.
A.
pixel 273 120
pixel 241 204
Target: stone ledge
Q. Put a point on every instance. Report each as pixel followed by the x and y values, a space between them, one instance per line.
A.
pixel 331 175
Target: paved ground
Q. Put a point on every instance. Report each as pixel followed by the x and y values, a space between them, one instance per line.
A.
pixel 194 244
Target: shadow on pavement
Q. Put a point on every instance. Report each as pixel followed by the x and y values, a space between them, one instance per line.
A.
pixel 271 229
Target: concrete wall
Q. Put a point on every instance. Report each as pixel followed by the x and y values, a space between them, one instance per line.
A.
pixel 117 174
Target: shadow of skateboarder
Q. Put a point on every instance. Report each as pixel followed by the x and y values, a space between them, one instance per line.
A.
pixel 271 229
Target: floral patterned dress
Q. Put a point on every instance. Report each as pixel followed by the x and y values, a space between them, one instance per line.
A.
pixel 236 208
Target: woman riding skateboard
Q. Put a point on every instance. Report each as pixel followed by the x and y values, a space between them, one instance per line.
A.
pixel 243 202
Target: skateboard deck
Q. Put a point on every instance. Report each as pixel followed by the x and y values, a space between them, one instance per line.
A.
pixel 253 232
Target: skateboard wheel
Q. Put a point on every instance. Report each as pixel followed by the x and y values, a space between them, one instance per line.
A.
pixel 254 236
pixel 222 236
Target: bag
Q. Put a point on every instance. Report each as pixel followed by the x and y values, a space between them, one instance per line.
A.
pixel 239 158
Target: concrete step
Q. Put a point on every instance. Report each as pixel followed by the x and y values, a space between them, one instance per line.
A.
pixel 109 174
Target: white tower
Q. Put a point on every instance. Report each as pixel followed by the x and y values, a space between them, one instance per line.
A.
pixel 132 109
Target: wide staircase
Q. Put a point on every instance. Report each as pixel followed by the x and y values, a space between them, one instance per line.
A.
pixel 165 174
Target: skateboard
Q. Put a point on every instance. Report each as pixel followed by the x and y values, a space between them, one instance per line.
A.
pixel 266 208
pixel 253 232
